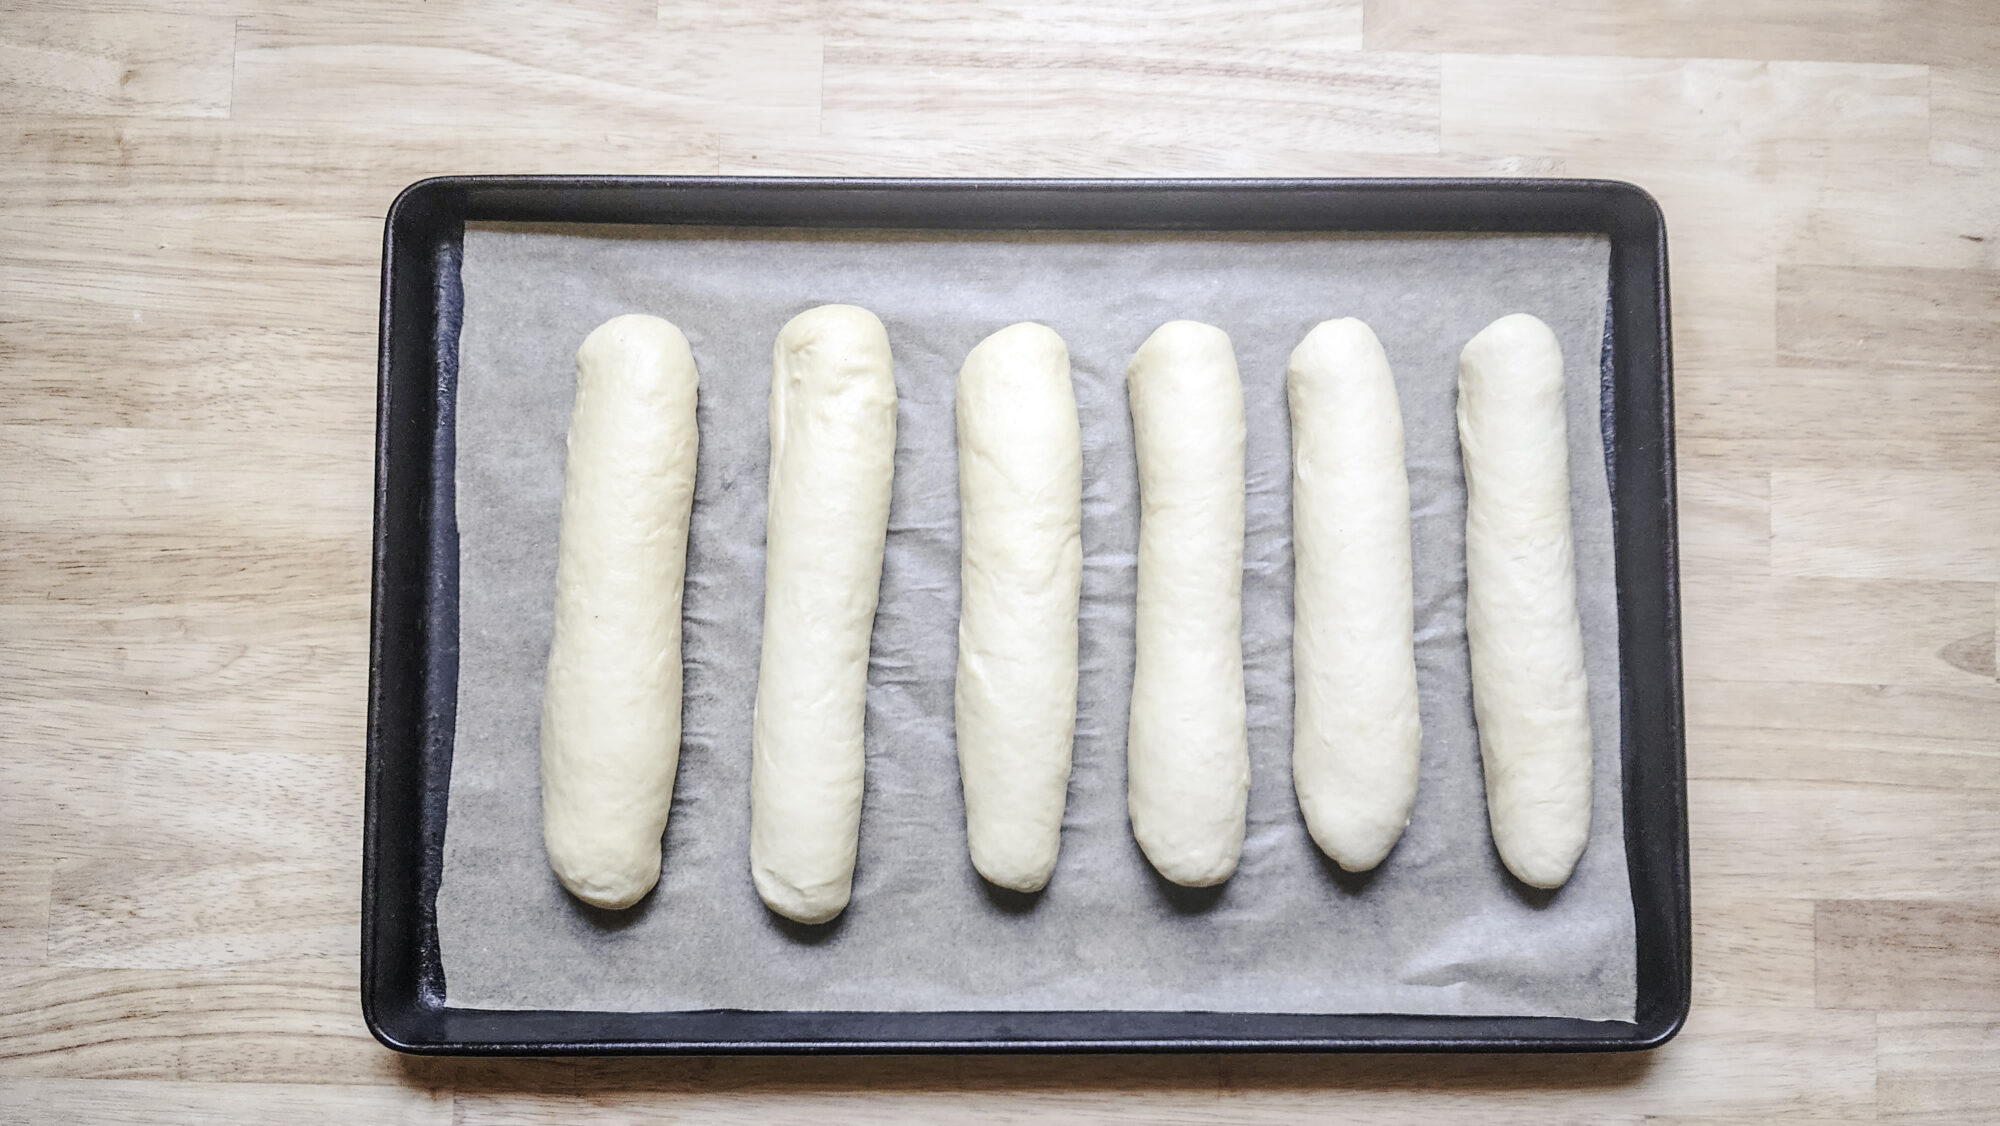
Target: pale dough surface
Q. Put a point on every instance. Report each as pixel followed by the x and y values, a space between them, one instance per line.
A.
pixel 1529 693
pixel 833 452
pixel 1020 484
pixel 1356 737
pixel 611 704
pixel 1188 758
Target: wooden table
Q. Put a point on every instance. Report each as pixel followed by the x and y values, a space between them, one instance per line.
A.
pixel 191 196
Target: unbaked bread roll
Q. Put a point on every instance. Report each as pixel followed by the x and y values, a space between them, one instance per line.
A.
pixel 1356 737
pixel 1529 694
pixel 611 707
pixel 1020 487
pixel 1188 759
pixel 833 453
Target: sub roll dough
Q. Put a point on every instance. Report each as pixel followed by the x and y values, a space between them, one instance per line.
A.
pixel 1188 759
pixel 1020 486
pixel 833 452
pixel 1529 694
pixel 611 707
pixel 1356 736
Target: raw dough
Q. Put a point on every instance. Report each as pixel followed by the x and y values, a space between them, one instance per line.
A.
pixel 1356 736
pixel 1529 694
pixel 1188 761
pixel 1020 487
pixel 611 710
pixel 833 453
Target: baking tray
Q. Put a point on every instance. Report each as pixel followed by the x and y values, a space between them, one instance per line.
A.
pixel 414 627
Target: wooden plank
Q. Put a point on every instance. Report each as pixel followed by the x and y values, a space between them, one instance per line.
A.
pixel 1831 841
pixel 174 913
pixel 69 479
pixel 1888 31
pixel 279 1024
pixel 1888 632
pixel 1777 1062
pixel 1940 738
pixel 1883 213
pixel 1752 951
pixel 137 802
pixel 1668 108
pixel 179 375
pixel 808 1089
pixel 805 1105
pixel 1774 1062
pixel 1898 954
pixel 232 169
pixel 139 1102
pixel 1739 214
pixel 543 65
pixel 188 679
pixel 118 270
pixel 1076 156
pixel 245 642
pixel 93 572
pixel 1725 521
pixel 1114 24
pixel 1301 95
pixel 24 909
pixel 1856 1117
pixel 1841 417
pixel 1860 524
pixel 1965 116
pixel 135 63
pixel 1887 319
pixel 1939 1068
pixel 1702 452
pixel 1724 321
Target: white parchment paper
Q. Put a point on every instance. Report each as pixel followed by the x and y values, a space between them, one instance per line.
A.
pixel 1439 928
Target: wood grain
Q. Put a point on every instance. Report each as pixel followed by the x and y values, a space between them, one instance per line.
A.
pixel 1965 116
pixel 183 914
pixel 1895 319
pixel 1855 524
pixel 1938 1067
pixel 1774 110
pixel 539 64
pixel 1753 951
pixel 191 199
pixel 1874 954
pixel 1113 24
pixel 1882 735
pixel 1303 94
pixel 131 63
pixel 53 165
pixel 141 1102
pixel 1091 156
pixel 1837 840
pixel 1894 31
pixel 281 1024
pixel 1848 631
pixel 24 912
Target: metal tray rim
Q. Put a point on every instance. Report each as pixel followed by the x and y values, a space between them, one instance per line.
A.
pixel 403 1013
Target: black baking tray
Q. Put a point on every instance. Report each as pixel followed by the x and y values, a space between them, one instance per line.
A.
pixel 413 650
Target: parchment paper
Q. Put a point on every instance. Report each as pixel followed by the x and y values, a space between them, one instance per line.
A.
pixel 1439 928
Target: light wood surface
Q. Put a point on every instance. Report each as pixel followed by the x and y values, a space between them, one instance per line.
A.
pixel 191 197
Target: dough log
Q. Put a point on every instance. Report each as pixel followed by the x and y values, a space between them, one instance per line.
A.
pixel 833 451
pixel 1188 761
pixel 1529 694
pixel 1020 485
pixel 611 708
pixel 1356 735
